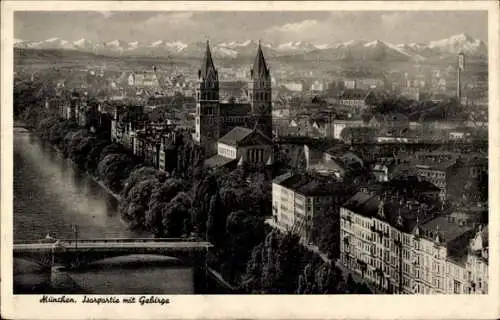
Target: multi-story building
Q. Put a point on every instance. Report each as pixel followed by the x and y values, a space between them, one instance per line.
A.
pixel 437 171
pixel 143 79
pixel 405 248
pixel 214 119
pixel 299 198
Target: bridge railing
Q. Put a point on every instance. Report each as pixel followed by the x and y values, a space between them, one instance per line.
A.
pixel 110 240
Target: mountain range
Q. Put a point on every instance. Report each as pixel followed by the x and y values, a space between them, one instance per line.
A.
pixel 375 50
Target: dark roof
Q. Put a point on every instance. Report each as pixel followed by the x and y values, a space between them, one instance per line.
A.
pixel 259 69
pixel 283 177
pixel 363 203
pixel 218 161
pixel 353 94
pixel 207 65
pixel 414 183
pixel 310 185
pixel 235 135
pixel 446 229
pixel 396 117
pixel 398 216
pixel 436 165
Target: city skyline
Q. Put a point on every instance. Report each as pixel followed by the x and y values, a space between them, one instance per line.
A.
pixel 275 27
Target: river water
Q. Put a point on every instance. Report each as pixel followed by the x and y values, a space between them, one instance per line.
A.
pixel 50 195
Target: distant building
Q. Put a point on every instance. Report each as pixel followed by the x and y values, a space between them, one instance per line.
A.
pixel 369 83
pixel 318 86
pixel 350 84
pixel 294 86
pixel 144 79
pixel 437 169
pixel 340 125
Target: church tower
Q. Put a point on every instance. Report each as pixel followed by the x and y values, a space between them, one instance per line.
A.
pixel 207 104
pixel 259 92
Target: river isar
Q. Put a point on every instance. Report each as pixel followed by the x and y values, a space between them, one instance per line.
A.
pixel 51 195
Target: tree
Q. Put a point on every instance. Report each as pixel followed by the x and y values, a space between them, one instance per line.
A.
pixel 80 152
pixel 139 174
pixel 133 207
pixel 243 233
pixel 113 169
pixel 280 263
pixel 175 213
pixel 324 231
pixel 94 154
pixel 161 196
pixel 216 220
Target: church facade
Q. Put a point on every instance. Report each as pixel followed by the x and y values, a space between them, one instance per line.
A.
pixel 214 119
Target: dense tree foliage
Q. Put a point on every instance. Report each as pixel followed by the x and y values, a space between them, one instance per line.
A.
pixel 114 168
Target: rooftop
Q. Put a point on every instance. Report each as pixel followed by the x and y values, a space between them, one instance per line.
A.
pixel 235 136
pixel 447 229
pixel 218 161
pixel 404 218
pixel 310 185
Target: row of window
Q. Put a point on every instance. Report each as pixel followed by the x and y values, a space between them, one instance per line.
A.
pixel 227 152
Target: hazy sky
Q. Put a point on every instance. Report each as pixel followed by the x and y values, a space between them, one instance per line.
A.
pixel 316 27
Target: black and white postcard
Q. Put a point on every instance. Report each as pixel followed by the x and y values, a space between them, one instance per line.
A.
pixel 246 160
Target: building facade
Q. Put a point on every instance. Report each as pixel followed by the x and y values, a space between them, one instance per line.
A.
pixel 405 250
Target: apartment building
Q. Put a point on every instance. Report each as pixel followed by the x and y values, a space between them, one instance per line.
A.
pixel 298 198
pixel 438 173
pixel 405 248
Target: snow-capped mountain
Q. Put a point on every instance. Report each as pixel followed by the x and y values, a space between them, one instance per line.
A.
pixel 175 46
pixel 236 44
pixel 354 49
pixel 460 43
pixel 296 47
pixel 84 44
pixel 52 43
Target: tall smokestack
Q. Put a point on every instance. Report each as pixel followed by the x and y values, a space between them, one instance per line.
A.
pixel 461 67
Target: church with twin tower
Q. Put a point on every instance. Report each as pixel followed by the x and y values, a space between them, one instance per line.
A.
pixel 215 119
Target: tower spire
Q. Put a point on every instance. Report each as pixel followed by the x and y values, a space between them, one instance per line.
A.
pixel 207 65
pixel 260 66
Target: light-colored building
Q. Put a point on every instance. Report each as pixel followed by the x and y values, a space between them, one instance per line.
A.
pixel 299 198
pixel 350 84
pixel 402 248
pixel 294 86
pixel 145 79
pixel 318 86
